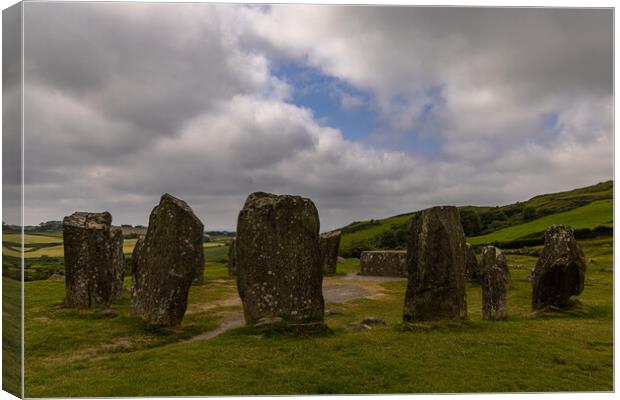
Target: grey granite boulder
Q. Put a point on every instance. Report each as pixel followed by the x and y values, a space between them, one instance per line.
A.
pixel 560 270
pixel 384 263
pixel 94 262
pixel 279 263
pixel 495 278
pixel 166 261
pixel 330 244
pixel 436 257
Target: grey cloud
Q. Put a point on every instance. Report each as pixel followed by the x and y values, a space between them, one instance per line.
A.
pixel 126 101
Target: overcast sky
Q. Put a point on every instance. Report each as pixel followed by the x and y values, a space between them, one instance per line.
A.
pixel 368 111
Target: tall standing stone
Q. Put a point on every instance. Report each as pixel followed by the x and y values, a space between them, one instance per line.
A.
pixel 94 262
pixel 330 244
pixel 495 280
pixel 232 257
pixel 436 257
pixel 165 262
pixel 560 270
pixel 279 265
pixel 472 269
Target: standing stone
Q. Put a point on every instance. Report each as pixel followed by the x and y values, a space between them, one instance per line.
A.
pixel 165 262
pixel 232 257
pixel 472 269
pixel 330 244
pixel 94 262
pixel 384 263
pixel 495 280
pixel 494 256
pixel 560 270
pixel 279 264
pixel 436 257
pixel 118 261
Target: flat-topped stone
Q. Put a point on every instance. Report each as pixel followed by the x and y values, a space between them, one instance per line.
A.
pixel 384 263
pixel 330 244
pixel 94 261
pixel 279 263
pixel 495 280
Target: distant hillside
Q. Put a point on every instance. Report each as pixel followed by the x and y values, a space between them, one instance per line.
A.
pixel 522 222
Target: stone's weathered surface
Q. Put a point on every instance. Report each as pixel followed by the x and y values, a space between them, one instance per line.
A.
pixel 279 265
pixel 560 270
pixel 166 261
pixel 472 269
pixel 118 261
pixel 232 257
pixel 495 279
pixel 341 260
pixel 436 258
pixel 329 243
pixel 493 256
pixel 94 262
pixel 384 263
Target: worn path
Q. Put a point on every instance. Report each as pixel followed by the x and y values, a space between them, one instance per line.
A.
pixel 335 290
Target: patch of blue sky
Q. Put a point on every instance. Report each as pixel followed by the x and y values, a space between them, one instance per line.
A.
pixel 328 98
pixel 548 128
pixel 338 104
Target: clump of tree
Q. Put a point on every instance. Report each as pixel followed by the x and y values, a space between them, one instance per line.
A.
pixel 394 238
pixel 471 221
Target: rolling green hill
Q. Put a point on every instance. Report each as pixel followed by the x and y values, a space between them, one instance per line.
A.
pixel 583 208
pixel 597 213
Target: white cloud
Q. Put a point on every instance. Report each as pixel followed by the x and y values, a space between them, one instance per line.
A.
pixel 127 101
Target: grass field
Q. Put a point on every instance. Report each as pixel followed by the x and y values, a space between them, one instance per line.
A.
pixel 597 213
pixel 348 239
pixel 544 208
pixel 76 353
pixel 11 336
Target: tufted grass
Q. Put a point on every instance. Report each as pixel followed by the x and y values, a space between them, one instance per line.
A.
pixel 75 353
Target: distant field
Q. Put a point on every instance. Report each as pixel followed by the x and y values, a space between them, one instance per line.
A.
pixel 597 213
pixel 58 251
pixel 30 238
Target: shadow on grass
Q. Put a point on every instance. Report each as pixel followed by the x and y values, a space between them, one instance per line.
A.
pixel 573 310
pixel 284 329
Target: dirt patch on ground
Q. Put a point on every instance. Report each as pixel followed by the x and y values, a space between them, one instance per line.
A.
pixel 339 293
pixel 335 290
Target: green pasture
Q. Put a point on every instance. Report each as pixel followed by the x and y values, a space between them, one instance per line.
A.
pixel 597 213
pixel 78 353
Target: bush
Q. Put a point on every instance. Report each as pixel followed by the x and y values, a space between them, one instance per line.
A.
pixel 472 224
pixel 356 249
pixel 529 213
